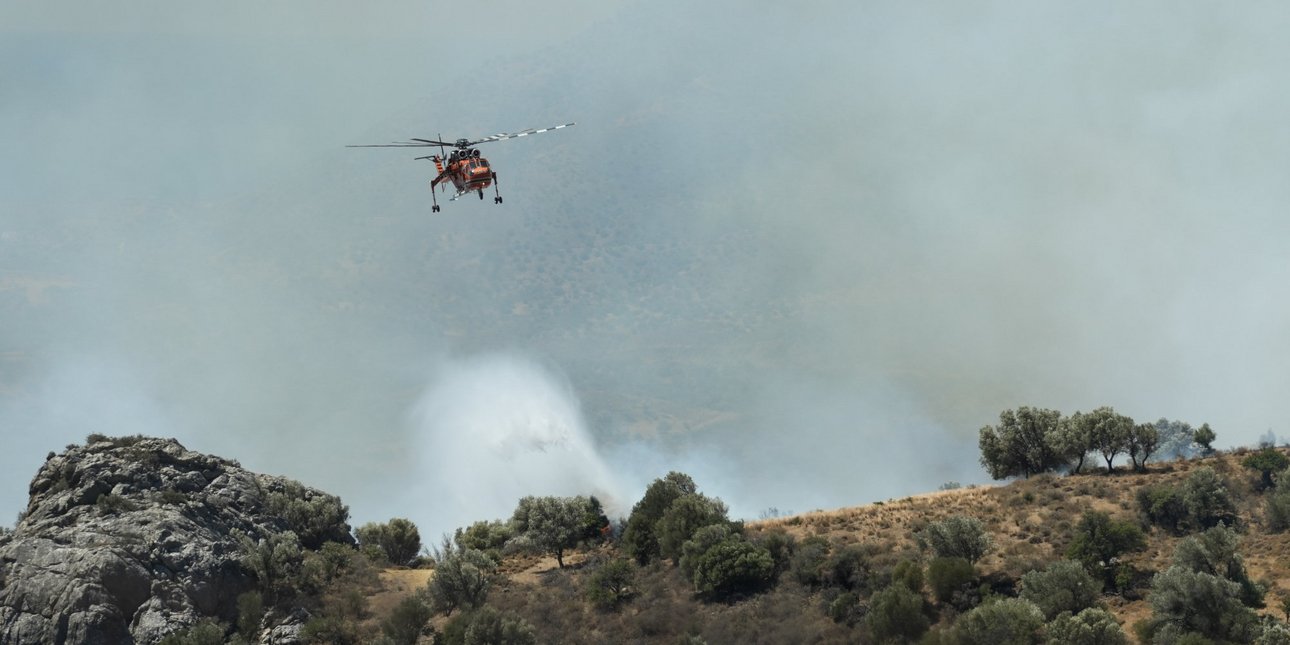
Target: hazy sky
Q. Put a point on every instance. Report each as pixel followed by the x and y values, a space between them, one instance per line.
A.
pixel 802 252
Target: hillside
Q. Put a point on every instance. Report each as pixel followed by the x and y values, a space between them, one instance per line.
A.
pixel 1031 523
pixel 133 539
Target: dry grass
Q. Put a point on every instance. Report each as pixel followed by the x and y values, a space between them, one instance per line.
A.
pixel 1030 521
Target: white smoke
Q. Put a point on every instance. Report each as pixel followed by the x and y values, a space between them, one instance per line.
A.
pixel 494 428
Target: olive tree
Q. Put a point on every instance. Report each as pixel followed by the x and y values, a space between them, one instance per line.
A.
pixel 1143 441
pixel 1026 442
pixel 1268 462
pixel 1109 433
pixel 551 524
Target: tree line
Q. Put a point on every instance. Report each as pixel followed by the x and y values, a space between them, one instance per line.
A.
pixel 1030 441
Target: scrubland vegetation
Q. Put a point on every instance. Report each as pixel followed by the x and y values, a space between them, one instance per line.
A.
pixel 1181 544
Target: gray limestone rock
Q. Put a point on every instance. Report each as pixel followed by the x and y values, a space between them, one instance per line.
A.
pixel 126 540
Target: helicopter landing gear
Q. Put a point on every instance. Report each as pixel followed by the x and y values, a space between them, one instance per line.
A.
pixel 497 195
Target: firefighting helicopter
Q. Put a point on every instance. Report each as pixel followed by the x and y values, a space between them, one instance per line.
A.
pixel 469 172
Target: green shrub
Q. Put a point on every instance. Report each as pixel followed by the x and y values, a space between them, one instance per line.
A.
pixel 685 515
pixel 1189 601
pixel 1009 621
pixel 405 624
pixel 1207 499
pixel 782 546
pixel 807 563
pixel 732 566
pixel 896 614
pixel 331 629
pixel 845 608
pixel 947 575
pixel 206 632
pixel 1092 626
pixel 1215 552
pixel 274 561
pixel 397 539
pixel 849 568
pixel 487 626
pixel 611 584
pixel 908 573
pixel 1099 541
pixel 1163 506
pixel 639 537
pixel 313 516
pixel 956 537
pixel 1063 586
pixel 250 612
pixel 1277 509
pixel 110 504
pixel 488 537
pixel 461 579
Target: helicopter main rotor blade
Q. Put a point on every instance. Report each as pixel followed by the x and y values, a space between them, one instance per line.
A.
pixel 524 133
pixel 433 143
pixel 396 145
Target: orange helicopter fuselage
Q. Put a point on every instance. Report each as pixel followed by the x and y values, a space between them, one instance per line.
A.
pixel 468 173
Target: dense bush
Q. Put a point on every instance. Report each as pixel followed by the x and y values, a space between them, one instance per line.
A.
pixel 639 537
pixel 404 625
pixel 849 568
pixel 908 573
pixel 488 537
pixel 611 583
pixel 1215 552
pixel 1092 626
pixel 273 561
pixel 397 539
pixel 1063 586
pixel 896 614
pixel 731 566
pixel 685 515
pixel 1099 541
pixel 1277 508
pixel 314 517
pixel 1163 506
pixel 1207 499
pixel 206 632
pixel 807 563
pixel 461 579
pixel 487 626
pixel 956 536
pixel 948 575
pixel 1009 621
pixel 1184 601
pixel 782 546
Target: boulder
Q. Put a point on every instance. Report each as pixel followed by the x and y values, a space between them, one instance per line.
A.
pixel 126 540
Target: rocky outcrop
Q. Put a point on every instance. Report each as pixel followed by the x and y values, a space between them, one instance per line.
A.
pixel 126 540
